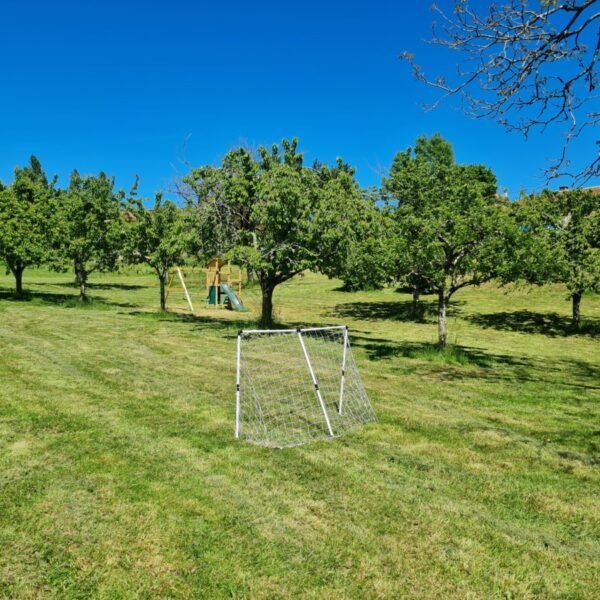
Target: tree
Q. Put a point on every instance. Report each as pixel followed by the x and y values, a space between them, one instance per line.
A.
pixel 450 221
pixel 257 209
pixel 352 234
pixel 222 198
pixel 270 213
pixel 25 208
pixel 91 226
pixel 159 238
pixel 559 242
pixel 526 64
pixel 366 260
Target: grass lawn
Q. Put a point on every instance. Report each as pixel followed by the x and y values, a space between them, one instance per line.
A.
pixel 120 477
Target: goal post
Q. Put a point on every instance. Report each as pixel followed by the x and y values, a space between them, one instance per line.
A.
pixel 342 380
pixel 297 385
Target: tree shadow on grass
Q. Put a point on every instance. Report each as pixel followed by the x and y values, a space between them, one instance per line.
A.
pixel 62 300
pixel 230 327
pixel 379 349
pixel 525 321
pixel 392 311
pixel 97 286
pixel 406 289
pixel 492 367
pixel 195 321
pixel 349 291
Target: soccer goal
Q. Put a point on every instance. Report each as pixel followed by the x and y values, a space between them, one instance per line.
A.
pixel 297 385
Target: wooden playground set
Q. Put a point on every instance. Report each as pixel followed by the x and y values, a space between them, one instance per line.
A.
pixel 222 282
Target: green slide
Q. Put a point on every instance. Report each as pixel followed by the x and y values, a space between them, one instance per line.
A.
pixel 235 302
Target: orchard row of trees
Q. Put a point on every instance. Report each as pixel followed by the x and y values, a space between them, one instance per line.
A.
pixel 435 225
pixel 83 225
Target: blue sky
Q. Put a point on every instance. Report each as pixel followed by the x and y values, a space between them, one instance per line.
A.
pixel 149 87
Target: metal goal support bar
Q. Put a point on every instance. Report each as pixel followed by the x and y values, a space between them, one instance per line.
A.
pixel 343 378
pixel 237 386
pixel 315 382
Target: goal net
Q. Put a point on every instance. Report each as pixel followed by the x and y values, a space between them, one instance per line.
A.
pixel 297 385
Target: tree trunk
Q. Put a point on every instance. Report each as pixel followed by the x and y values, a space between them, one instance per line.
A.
pixel 17 271
pixel 267 287
pixel 442 330
pixel 82 290
pixel 576 300
pixel 81 279
pixel 163 296
pixel 416 295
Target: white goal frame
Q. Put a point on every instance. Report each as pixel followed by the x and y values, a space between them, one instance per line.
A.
pixel 335 420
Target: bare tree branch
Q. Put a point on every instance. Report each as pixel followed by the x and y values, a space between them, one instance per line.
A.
pixel 528 65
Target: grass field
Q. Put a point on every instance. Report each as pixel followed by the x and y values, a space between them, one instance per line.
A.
pixel 120 477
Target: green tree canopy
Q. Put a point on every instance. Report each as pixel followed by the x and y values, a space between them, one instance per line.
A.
pixel 451 225
pixel 559 242
pixel 272 214
pixel 354 231
pixel 25 209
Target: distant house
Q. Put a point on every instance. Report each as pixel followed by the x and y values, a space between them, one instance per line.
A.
pixel 595 189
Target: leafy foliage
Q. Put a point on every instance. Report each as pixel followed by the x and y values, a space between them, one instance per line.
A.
pixel 352 232
pixel 159 238
pixel 25 208
pixel 449 220
pixel 559 242
pixel 90 226
pixel 272 214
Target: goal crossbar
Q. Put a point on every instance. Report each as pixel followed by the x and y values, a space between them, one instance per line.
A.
pixel 243 332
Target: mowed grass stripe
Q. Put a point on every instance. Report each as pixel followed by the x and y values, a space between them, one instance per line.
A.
pixel 120 477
